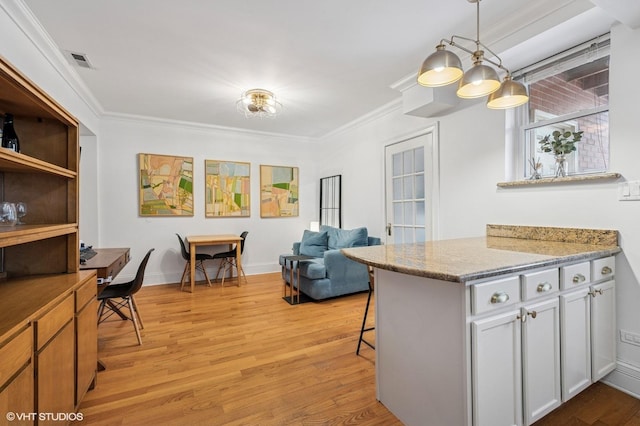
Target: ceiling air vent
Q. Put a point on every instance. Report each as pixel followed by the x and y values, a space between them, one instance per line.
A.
pixel 79 59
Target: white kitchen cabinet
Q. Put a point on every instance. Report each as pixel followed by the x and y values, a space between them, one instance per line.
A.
pixel 516 364
pixel 603 329
pixel 496 367
pixel 541 359
pixel 588 330
pixel 498 351
pixel 575 309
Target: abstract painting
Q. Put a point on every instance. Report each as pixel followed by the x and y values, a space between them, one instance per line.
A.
pixel 279 191
pixel 166 185
pixel 227 189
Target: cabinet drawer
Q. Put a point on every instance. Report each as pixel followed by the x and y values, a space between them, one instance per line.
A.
pixel 15 353
pixel 603 268
pixel 86 293
pixel 575 275
pixel 539 284
pixel 49 324
pixel 495 294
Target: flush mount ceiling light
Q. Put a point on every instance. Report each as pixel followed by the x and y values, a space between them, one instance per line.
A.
pixel 259 103
pixel 444 67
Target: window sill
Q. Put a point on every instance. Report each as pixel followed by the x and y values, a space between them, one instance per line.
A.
pixel 559 180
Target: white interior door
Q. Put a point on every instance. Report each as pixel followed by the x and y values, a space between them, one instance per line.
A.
pixel 411 189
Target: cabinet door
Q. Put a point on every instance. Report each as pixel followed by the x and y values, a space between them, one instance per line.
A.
pixel 86 348
pixel 575 342
pixel 603 329
pixel 496 370
pixel 17 397
pixel 56 373
pixel 541 359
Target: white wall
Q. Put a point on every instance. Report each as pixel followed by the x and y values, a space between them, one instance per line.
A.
pixel 120 225
pixel 472 152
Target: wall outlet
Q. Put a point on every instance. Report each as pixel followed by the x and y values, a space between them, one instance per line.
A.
pixel 630 337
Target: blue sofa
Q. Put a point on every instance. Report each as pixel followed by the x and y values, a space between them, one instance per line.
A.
pixel 330 273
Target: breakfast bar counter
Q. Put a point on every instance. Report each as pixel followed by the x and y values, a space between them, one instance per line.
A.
pixel 494 330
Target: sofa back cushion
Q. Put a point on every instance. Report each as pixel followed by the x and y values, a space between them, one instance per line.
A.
pixel 344 238
pixel 314 243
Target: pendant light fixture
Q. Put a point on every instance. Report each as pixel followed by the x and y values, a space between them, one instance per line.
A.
pixel 444 67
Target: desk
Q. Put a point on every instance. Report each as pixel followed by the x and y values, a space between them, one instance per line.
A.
pixel 107 262
pixel 212 240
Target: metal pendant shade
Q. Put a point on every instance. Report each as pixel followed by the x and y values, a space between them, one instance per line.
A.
pixel 510 94
pixel 442 67
pixel 480 80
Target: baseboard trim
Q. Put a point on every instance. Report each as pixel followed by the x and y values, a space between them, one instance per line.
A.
pixel 625 378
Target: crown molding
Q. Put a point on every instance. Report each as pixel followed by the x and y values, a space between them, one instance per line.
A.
pixel 377 113
pixel 24 19
pixel 133 118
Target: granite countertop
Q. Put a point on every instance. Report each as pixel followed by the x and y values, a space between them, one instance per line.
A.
pixel 466 259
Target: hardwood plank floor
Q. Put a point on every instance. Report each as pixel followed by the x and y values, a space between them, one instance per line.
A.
pixel 236 355
pixel 242 356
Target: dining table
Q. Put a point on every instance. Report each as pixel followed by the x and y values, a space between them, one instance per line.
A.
pixel 212 240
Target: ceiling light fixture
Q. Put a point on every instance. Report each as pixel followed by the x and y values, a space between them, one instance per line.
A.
pixel 259 103
pixel 444 67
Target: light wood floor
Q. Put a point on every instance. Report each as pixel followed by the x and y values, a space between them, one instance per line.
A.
pixel 243 356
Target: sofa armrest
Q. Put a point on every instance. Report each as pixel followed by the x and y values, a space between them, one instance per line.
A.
pixel 296 248
pixel 341 268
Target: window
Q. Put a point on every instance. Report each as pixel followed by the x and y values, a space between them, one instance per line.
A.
pixel 568 92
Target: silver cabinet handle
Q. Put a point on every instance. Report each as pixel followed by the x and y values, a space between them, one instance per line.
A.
pixel 544 287
pixel 499 297
pixel 579 278
pixel 606 270
pixel 533 314
pixel 593 293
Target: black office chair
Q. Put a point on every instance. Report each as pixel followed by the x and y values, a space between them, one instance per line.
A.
pixel 200 258
pixel 228 260
pixel 124 292
pixel 364 327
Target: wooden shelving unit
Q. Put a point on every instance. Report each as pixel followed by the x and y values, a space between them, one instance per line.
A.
pixel 44 176
pixel 47 306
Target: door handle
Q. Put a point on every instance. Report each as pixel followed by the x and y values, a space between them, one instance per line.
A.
pixel 389 229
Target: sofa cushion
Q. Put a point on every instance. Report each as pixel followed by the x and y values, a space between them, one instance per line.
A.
pixel 314 243
pixel 344 238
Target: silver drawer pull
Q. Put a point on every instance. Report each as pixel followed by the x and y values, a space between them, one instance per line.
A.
pixel 606 270
pixel 544 287
pixel 579 278
pixel 499 297
pixel 593 293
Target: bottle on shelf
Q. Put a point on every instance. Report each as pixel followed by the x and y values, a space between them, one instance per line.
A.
pixel 9 136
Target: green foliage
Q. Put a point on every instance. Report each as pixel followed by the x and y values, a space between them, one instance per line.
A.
pixel 561 143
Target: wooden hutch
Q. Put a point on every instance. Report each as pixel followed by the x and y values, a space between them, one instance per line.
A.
pixel 48 324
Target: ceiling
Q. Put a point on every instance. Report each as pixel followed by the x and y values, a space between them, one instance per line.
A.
pixel 329 62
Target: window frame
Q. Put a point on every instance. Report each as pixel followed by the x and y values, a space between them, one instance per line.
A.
pixel 517 123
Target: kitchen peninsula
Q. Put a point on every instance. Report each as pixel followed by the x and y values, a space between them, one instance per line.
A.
pixel 492 330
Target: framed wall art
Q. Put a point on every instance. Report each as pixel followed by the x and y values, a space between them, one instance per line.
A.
pixel 227 188
pixel 279 191
pixel 165 185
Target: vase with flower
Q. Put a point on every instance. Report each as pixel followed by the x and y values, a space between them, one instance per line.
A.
pixel 560 144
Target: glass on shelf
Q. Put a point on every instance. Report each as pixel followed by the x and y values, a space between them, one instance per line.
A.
pixel 21 211
pixel 8 214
